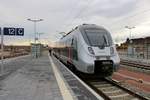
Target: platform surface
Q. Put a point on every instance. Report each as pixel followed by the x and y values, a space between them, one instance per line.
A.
pixel 44 78
pixel 34 80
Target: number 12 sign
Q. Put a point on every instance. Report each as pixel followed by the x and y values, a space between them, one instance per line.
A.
pixel 13 31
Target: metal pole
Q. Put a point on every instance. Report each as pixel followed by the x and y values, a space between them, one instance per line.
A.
pixel 2 51
pixel 130 33
pixel 35 38
pixel 35 32
pixel 39 37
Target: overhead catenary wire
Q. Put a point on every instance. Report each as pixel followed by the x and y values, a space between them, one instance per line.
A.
pixel 130 17
pixel 79 13
pixel 122 26
pixel 76 16
pixel 69 14
pixel 83 9
pixel 110 24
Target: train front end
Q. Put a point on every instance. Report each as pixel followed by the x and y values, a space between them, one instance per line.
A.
pixel 102 57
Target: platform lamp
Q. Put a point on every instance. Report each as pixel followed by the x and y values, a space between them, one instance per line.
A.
pixel 35 33
pixel 130 29
pixel 35 21
pixel 130 40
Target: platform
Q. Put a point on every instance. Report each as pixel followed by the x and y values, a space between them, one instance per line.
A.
pixel 44 78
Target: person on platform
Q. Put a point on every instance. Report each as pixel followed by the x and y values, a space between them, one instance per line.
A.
pixel 50 51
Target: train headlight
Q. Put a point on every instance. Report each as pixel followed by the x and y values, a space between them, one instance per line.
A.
pixel 91 50
pixel 112 52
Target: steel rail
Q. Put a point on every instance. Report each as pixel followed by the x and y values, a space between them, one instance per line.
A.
pixel 135 64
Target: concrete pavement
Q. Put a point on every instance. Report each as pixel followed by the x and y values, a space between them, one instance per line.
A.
pixel 34 80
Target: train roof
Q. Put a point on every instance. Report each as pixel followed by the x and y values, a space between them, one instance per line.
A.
pixel 84 26
pixel 88 26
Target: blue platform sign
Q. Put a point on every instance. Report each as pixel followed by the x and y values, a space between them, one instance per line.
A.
pixel 9 31
pixel 13 31
pixel 20 31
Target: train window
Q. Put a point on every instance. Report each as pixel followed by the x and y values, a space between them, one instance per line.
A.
pixel 98 38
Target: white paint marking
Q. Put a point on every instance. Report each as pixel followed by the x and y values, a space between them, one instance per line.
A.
pixel 62 86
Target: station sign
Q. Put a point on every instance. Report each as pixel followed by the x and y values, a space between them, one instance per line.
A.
pixel 13 31
pixel 20 31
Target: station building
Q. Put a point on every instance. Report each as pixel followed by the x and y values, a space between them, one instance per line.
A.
pixel 138 47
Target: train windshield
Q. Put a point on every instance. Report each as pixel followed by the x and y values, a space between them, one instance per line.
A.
pixel 100 38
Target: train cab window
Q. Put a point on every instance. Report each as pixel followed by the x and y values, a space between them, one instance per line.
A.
pixel 98 38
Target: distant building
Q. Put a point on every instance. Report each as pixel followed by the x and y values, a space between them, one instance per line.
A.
pixel 140 46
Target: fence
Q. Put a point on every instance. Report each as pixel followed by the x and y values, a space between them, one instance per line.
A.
pixel 142 52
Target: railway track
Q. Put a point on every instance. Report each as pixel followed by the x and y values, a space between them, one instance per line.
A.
pixel 111 90
pixel 107 88
pixel 135 64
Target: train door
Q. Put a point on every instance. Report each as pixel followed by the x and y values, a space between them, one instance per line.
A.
pixel 70 50
pixel 74 48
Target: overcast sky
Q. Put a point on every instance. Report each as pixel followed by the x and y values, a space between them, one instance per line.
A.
pixel 63 15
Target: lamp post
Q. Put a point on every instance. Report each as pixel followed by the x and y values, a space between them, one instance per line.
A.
pixel 39 34
pixel 35 35
pixel 130 47
pixel 35 21
pixel 130 28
